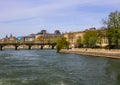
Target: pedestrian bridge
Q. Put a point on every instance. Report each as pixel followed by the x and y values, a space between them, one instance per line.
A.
pixel 17 45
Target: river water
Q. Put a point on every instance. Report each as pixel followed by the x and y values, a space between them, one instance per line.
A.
pixel 46 67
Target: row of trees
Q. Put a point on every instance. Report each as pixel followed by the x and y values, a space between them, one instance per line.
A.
pixel 91 38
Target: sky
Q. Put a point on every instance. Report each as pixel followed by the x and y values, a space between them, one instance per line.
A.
pixel 23 17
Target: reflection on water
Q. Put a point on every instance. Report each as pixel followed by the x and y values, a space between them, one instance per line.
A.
pixel 46 67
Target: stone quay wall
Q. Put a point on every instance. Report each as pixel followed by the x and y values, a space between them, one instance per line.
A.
pixel 109 53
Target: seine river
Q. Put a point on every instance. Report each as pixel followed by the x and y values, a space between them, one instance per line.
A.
pixel 46 67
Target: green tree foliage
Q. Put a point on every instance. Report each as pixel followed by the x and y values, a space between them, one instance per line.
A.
pixel 62 43
pixel 90 38
pixel 113 28
pixel 101 34
pixel 79 42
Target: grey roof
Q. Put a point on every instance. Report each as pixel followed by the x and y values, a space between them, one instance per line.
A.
pixel 29 36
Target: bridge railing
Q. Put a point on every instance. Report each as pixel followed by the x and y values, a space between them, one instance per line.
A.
pixel 27 43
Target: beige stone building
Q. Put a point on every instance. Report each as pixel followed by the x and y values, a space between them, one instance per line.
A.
pixel 73 36
pixel 41 37
pixel 28 39
pixel 45 37
pixel 10 39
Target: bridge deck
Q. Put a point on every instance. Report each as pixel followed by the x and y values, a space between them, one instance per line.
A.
pixel 28 44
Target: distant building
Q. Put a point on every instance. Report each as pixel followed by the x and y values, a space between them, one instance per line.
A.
pixel 41 37
pixel 10 39
pixel 73 36
pixel 45 37
pixel 57 32
pixel 93 28
pixel 43 31
pixel 28 39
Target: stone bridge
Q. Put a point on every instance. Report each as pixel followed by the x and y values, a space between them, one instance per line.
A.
pixel 16 45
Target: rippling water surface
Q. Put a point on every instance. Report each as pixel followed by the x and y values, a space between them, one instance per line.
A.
pixel 46 67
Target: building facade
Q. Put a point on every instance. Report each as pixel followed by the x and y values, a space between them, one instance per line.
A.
pixel 41 37
pixel 45 37
pixel 10 39
pixel 72 37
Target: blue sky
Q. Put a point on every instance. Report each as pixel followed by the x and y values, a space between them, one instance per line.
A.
pixel 23 17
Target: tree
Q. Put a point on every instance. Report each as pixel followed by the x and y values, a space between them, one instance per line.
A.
pixel 101 36
pixel 113 28
pixel 79 42
pixel 62 43
pixel 90 38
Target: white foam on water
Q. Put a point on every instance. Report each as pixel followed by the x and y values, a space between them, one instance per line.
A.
pixel 62 83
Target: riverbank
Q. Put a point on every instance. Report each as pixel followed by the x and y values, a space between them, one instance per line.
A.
pixel 112 53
